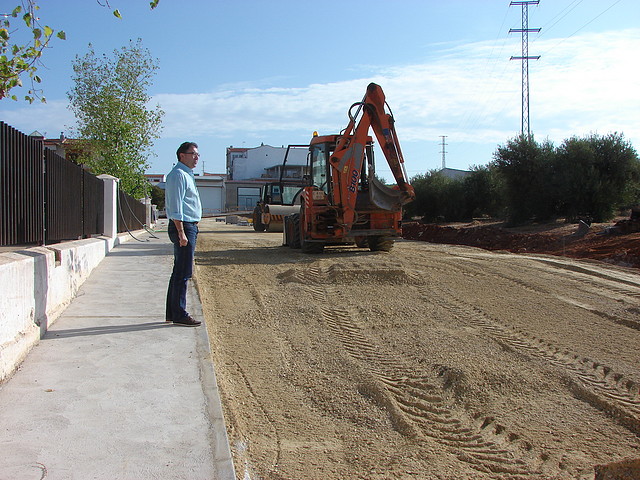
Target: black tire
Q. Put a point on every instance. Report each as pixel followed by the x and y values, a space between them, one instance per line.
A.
pixel 380 244
pixel 307 247
pixel 258 226
pixel 362 242
pixel 312 247
pixel 294 240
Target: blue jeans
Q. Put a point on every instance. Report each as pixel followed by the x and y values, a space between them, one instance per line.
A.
pixel 182 270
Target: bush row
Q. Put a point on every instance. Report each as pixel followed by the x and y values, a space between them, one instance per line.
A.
pixel 591 177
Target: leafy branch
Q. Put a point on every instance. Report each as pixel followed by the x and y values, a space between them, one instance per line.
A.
pixel 16 60
pixel 105 3
pixel 19 58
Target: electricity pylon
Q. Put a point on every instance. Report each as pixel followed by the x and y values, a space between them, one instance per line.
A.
pixel 525 128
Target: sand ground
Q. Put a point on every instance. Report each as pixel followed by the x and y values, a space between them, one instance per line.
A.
pixel 428 362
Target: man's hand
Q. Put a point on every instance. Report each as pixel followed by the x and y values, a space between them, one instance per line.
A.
pixel 183 239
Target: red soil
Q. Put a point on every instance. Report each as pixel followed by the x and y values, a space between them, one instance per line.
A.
pixel 556 239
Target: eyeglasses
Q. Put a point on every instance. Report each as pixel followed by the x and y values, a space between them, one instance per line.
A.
pixel 195 154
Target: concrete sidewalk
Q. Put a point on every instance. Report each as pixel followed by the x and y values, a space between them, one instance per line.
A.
pixel 113 391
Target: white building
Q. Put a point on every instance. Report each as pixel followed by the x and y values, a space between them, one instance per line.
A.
pixel 255 163
pixel 454 174
pixel 211 188
pixel 248 169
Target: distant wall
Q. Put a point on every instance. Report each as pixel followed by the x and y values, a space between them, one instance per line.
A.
pixel 36 285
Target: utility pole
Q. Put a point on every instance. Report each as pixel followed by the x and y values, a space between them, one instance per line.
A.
pixel 444 165
pixel 525 128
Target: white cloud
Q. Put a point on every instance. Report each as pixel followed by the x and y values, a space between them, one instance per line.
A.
pixel 580 85
pixel 49 118
pixel 469 92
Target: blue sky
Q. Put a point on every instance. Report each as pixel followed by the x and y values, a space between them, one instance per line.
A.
pixel 246 72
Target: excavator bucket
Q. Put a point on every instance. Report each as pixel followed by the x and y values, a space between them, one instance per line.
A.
pixel 386 198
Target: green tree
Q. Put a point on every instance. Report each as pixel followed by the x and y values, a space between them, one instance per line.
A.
pixel 585 177
pixel 157 197
pixel 22 45
pixel 526 168
pixel 597 175
pixel 483 189
pixel 438 198
pixel 110 101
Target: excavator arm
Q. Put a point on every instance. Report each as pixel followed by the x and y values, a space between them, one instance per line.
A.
pixel 347 158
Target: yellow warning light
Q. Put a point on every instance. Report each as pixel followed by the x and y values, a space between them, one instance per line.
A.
pixel 315 133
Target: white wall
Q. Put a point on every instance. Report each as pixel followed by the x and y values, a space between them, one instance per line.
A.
pixel 211 199
pixel 265 156
pixel 257 160
pixel 211 190
pixel 37 284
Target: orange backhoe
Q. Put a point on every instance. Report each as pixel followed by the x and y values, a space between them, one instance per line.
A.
pixel 343 202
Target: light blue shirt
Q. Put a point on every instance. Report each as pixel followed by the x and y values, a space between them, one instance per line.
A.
pixel 182 200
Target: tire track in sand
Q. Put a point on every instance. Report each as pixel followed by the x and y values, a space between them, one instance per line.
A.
pixel 591 381
pixel 581 279
pixel 416 405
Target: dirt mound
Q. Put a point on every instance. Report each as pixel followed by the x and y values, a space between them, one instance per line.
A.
pixel 557 239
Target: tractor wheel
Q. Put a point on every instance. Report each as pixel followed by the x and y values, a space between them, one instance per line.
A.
pixel 380 244
pixel 307 247
pixel 258 226
pixel 362 242
pixel 294 240
pixel 312 247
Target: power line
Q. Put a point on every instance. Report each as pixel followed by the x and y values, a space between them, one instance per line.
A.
pixel 585 25
pixel 563 13
pixel 473 117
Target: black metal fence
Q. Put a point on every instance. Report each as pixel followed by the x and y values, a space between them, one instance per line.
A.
pixel 93 203
pixel 46 199
pixel 74 205
pixel 21 188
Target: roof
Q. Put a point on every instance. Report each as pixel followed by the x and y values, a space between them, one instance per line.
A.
pixel 454 174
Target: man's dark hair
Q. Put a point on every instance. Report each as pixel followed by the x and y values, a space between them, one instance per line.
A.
pixel 184 147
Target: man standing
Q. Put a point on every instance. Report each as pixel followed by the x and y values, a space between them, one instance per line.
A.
pixel 184 211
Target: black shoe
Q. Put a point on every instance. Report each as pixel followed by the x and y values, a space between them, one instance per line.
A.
pixel 187 322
